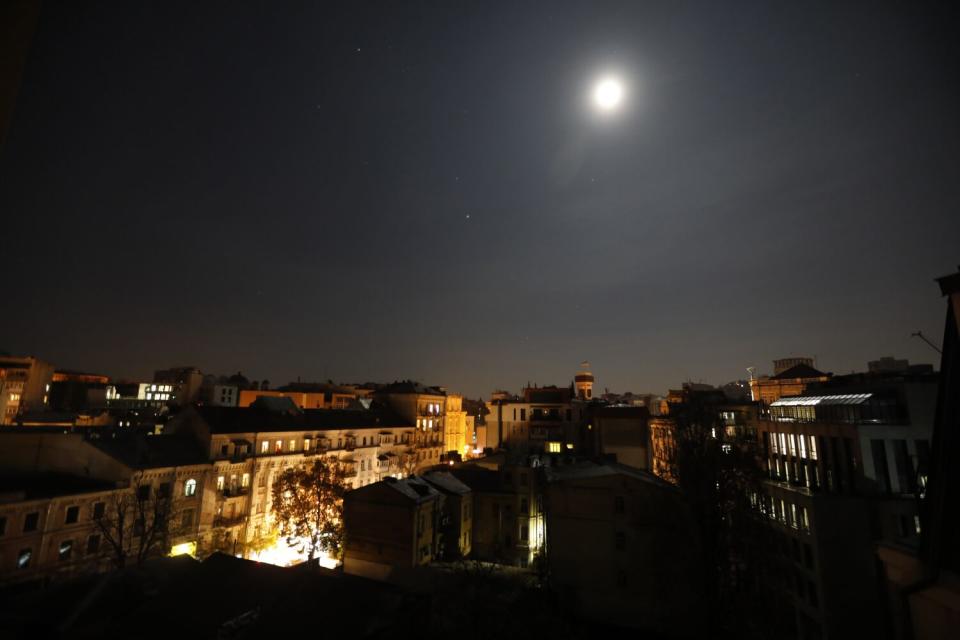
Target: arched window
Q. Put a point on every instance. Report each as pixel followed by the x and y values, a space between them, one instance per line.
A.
pixel 190 487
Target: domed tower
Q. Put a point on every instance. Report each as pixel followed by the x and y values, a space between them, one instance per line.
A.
pixel 584 382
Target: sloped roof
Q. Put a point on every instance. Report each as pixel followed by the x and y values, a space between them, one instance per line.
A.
pixel 597 470
pixel 446 482
pixel 409 386
pixel 255 419
pixel 799 371
pixel 153 452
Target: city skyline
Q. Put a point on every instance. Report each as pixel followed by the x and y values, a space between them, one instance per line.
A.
pixel 416 192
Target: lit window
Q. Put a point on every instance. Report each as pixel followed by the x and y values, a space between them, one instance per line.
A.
pixel 813 447
pixel 264 446
pixel 306 444
pixel 292 444
pixel 23 558
pixel 66 549
pixel 220 483
pixel 793 445
pixel 783 443
pixel 153 387
pixel 190 487
pixel 278 446
pixel 783 512
pixel 794 521
pixel 773 443
pixel 149 396
pixel 803 446
pixel 553 447
pixel 805 519
pixel 245 480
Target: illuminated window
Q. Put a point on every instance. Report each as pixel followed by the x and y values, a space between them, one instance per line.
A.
pixel 66 550
pixel 190 488
pixel 783 443
pixel 14 398
pixel 783 512
pixel 23 558
pixel 153 387
pixel 220 483
pixel 794 521
pixel 278 446
pixel 264 446
pixel 793 444
pixel 245 480
pixel 813 447
pixel 805 519
pixel 773 442
pixel 553 447
pixel 149 396
pixel 306 444
pixel 292 444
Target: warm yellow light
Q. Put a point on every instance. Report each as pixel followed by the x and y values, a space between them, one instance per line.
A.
pixel 184 549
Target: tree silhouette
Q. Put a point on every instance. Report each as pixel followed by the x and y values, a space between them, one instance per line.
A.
pixel 308 506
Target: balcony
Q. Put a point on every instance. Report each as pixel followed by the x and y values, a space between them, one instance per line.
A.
pixel 233 492
pixel 223 521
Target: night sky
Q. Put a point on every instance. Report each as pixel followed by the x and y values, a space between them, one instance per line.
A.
pixel 419 190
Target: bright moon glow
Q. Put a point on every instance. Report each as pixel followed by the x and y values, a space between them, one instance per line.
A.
pixel 608 94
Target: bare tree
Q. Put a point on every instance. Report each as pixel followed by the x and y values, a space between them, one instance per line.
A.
pixel 408 461
pixel 137 523
pixel 308 506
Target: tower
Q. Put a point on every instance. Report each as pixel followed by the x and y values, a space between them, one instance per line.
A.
pixel 584 382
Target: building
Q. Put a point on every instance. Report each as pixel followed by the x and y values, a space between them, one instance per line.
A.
pixel 508 523
pixel 425 408
pixel 583 382
pixel 24 386
pixel 922 582
pixel 186 383
pixel 391 527
pixel 889 364
pixel 620 547
pixel 304 395
pixel 788 382
pixel 844 462
pixel 456 523
pixel 62 493
pixel 541 419
pixel 620 434
pixel 455 427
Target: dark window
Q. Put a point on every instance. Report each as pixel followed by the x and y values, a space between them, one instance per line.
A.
pixel 98 508
pixel 523 414
pixel 524 506
pixel 223 449
pixel 143 493
pixel 66 550
pixel 93 543
pixel 618 506
pixel 30 521
pixel 880 468
pixel 620 541
pixel 72 514
pixel 524 533
pixel 3 525
pixel 23 558
pixel 905 473
pixel 164 490
pixel 808 556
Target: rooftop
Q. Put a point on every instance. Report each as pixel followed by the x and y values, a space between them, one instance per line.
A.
pixel 255 419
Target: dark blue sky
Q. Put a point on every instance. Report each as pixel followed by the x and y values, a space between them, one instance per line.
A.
pixel 284 190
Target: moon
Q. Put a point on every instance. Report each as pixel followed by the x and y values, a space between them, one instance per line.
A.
pixel 608 94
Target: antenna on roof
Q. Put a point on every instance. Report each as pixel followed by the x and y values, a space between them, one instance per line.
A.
pixel 919 334
pixel 751 371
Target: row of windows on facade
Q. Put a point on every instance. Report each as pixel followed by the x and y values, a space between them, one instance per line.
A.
pixel 292 445
pixel 789 514
pixel 542 414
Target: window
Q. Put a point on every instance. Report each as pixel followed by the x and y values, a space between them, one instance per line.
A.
pixel 523 414
pixel 73 514
pixel 880 469
pixel 306 444
pixel 66 549
pixel 793 444
pixel 264 446
pixel 620 541
pixel 794 521
pixel 93 543
pixel 803 446
pixel 524 533
pixel 808 556
pixel 245 480
pixel 163 491
pixel 190 488
pixel 553 447
pixel 186 518
pixel 805 519
pixel 3 525
pixel 220 483
pixel 524 506
pixel 223 449
pixel 98 508
pixel 30 521
pixel 143 493
pixel 773 443
pixel 23 558
pixel 813 447
pixel 278 446
pixel 292 445
pixel 618 505
pixel 783 443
